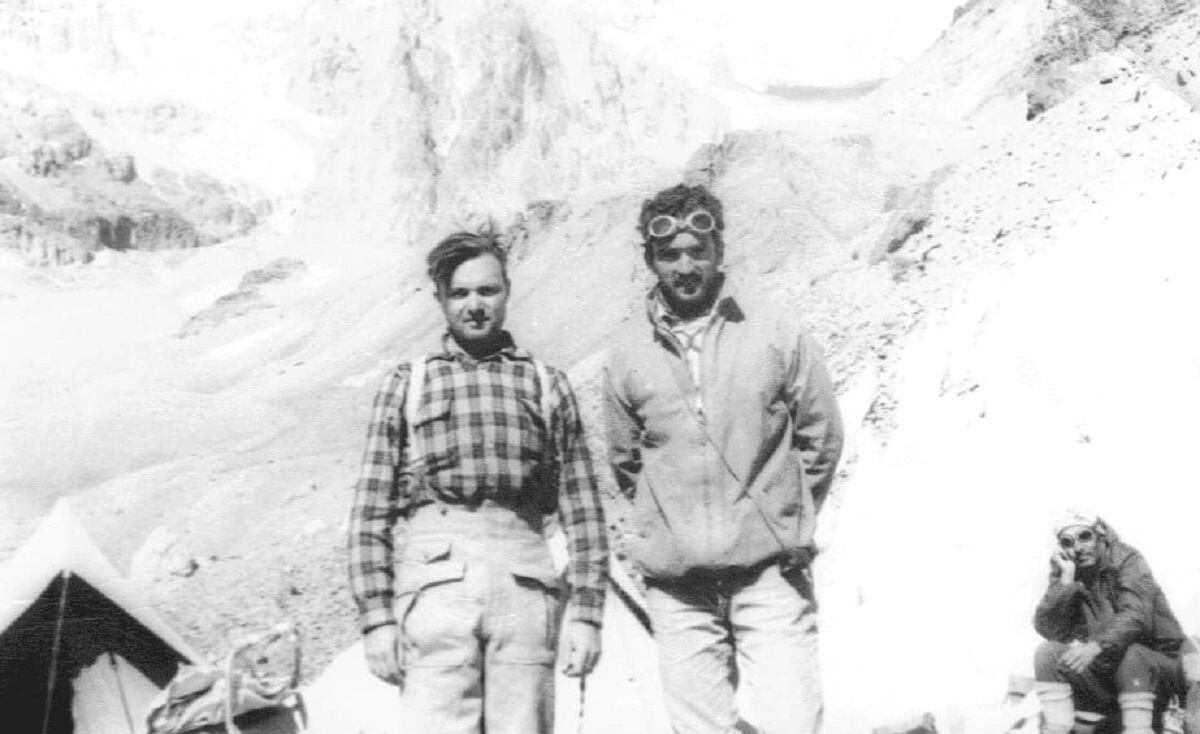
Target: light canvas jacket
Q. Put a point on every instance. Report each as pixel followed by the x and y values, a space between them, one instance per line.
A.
pixel 739 483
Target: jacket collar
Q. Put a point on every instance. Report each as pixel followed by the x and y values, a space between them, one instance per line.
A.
pixel 507 350
pixel 727 308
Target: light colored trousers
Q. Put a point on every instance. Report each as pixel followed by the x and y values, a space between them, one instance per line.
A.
pixel 477 599
pixel 730 650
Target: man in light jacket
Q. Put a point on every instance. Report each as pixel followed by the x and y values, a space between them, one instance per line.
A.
pixel 724 430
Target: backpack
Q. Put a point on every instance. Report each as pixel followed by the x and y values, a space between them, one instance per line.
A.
pixel 260 675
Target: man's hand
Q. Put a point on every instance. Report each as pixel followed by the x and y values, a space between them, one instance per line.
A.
pixel 1079 656
pixel 579 648
pixel 382 645
pixel 1065 565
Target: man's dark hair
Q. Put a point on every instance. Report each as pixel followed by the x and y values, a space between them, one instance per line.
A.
pixel 680 201
pixel 458 248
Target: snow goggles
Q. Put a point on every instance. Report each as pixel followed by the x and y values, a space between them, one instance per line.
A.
pixel 1068 541
pixel 665 225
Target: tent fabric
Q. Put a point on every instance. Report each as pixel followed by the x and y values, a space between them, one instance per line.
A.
pixel 110 694
pixel 64 610
pixel 61 543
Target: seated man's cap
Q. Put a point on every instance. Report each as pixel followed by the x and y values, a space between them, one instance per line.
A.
pixel 1075 516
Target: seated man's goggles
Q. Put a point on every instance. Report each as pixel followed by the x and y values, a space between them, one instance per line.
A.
pixel 1068 541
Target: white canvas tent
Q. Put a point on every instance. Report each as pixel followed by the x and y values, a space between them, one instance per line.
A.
pixel 80 651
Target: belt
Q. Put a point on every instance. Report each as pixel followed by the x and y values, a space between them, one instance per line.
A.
pixel 721 579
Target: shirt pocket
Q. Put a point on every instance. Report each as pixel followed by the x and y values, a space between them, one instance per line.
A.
pixel 435 436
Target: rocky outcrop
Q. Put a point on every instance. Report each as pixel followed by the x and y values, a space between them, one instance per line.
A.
pixel 67 218
pixel 160 557
pixel 121 168
pixel 1081 33
pixel 246 299
pixel 63 198
pixel 911 210
pixel 56 142
pixel 215 208
pixel 467 112
pixel 74 236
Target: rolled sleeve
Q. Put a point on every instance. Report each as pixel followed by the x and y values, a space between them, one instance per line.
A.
pixel 375 510
pixel 1057 617
pixel 580 510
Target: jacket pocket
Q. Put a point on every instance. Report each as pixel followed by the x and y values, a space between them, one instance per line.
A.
pixel 653 544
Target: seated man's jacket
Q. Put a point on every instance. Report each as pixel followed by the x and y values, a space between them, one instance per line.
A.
pixel 1115 603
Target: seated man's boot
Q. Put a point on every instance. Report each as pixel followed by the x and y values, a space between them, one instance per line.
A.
pixel 1191 710
pixel 1058 707
pixel 1137 712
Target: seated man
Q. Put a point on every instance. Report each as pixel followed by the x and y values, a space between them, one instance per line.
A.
pixel 1112 642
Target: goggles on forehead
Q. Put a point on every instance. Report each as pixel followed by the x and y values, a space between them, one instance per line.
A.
pixel 1068 541
pixel 665 225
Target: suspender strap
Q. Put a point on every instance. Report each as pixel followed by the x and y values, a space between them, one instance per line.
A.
pixel 412 402
pixel 416 385
pixel 545 392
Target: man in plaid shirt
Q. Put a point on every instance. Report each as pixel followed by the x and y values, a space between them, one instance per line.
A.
pixel 463 614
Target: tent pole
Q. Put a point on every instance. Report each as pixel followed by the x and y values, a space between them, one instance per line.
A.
pixel 112 661
pixel 54 648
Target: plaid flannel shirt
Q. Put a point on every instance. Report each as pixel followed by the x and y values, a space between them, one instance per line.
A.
pixel 480 426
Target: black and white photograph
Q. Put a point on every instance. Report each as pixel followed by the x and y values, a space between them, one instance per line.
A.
pixel 567 367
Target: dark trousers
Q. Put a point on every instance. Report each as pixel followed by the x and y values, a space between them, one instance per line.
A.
pixel 1096 689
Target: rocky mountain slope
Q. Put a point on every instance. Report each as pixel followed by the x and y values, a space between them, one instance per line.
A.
pixel 994 248
pixel 64 197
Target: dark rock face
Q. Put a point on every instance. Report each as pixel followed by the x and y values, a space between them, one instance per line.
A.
pixel 86 214
pixel 1084 30
pixel 41 244
pixel 55 142
pixel 62 199
pixel 206 201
